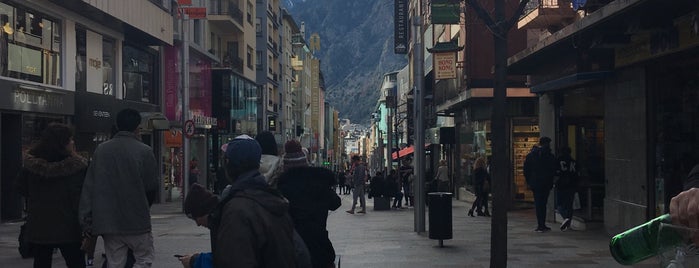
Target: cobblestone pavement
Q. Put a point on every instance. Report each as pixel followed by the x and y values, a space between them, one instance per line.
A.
pixel 384 239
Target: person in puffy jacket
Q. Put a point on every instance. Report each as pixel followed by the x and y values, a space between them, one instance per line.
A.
pixel 51 180
pixel 270 163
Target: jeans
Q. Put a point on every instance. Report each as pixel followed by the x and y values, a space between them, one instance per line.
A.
pixel 358 193
pixel 71 252
pixel 541 197
pixel 565 202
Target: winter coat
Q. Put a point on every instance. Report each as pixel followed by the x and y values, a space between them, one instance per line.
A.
pixel 480 176
pixel 567 173
pixel 539 168
pixel 255 229
pixel 52 190
pixel 270 167
pixel 310 196
pixel 119 187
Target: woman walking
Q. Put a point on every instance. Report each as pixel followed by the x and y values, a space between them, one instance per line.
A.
pixel 481 182
pixel 51 180
pixel 442 176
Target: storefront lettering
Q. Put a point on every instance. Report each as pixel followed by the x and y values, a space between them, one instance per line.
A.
pixel 204 120
pixel 95 63
pixel 24 97
pixel 101 114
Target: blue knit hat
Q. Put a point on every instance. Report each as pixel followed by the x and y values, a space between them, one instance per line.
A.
pixel 244 151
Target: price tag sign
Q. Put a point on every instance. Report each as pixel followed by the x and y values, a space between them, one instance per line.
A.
pixel 189 128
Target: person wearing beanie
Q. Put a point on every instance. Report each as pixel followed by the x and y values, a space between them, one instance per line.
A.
pixel 198 204
pixel 270 163
pixel 252 227
pixel 539 169
pixel 310 194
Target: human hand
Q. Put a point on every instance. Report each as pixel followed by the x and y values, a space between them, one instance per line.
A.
pixel 186 259
pixel 684 208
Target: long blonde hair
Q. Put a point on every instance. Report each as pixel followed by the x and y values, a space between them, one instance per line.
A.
pixel 480 163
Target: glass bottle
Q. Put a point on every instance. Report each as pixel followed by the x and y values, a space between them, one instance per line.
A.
pixel 643 241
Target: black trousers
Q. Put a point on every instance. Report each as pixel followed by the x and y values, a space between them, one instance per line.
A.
pixel 71 252
pixel 541 197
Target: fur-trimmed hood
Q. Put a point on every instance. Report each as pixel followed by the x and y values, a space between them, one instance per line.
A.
pixel 65 167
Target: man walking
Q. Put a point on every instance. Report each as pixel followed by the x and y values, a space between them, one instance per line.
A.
pixel 359 178
pixel 539 169
pixel 119 188
pixel 252 226
pixel 566 185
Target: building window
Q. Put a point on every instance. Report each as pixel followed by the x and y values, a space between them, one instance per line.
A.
pixel 249 59
pixel 258 25
pixel 258 60
pixel 140 74
pixel 95 62
pixel 197 32
pixel 30 45
pixel 250 8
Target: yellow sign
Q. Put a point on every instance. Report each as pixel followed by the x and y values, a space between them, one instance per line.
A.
pixel 445 65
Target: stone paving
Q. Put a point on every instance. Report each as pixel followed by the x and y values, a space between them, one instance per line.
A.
pixel 385 239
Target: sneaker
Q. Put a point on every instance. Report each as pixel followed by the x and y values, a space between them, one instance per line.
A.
pixel 362 211
pixel 542 229
pixel 350 211
pixel 566 224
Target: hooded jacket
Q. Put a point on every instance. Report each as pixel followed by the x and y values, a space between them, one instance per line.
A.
pixel 255 229
pixel 271 167
pixel 310 196
pixel 52 190
pixel 539 168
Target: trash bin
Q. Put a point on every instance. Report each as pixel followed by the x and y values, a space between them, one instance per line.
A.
pixel 440 216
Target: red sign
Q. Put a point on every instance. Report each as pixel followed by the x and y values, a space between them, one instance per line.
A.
pixel 184 2
pixel 195 12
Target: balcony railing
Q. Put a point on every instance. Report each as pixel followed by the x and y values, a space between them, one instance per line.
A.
pixel 235 63
pixel 229 8
pixel 541 14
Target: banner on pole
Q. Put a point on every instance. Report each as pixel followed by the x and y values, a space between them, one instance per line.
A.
pixel 400 21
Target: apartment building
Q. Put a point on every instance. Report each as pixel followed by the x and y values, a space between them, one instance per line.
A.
pixel 268 65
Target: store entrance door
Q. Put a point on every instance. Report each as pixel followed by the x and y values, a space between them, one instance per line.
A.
pixel 10 164
pixel 585 137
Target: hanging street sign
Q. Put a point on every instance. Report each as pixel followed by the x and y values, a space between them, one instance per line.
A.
pixel 445 65
pixel 189 128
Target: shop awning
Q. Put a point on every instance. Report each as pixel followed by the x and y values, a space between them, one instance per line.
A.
pixel 406 151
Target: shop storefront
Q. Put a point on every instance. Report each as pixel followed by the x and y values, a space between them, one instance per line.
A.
pixel 31 91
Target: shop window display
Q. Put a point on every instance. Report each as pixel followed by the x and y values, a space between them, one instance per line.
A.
pixel 30 45
pixel 139 75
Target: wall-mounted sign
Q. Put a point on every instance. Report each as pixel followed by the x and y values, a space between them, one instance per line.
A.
pixel 30 98
pixel 194 13
pixel 446 11
pixel 184 2
pixel 445 65
pixel 400 31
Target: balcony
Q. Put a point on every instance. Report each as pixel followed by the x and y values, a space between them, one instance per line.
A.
pixel 226 16
pixel 547 14
pixel 234 63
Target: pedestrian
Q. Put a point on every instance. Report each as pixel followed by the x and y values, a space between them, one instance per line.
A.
pixel 348 182
pixel 341 178
pixel 539 169
pixel 199 205
pixel 481 181
pixel 193 171
pixel 442 176
pixel 359 177
pixel 251 226
pixel 271 163
pixel 405 171
pixel 119 188
pixel 310 194
pixel 566 186
pixel 393 187
pixel 51 179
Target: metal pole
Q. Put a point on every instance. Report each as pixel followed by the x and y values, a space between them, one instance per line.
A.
pixel 419 80
pixel 389 134
pixel 185 102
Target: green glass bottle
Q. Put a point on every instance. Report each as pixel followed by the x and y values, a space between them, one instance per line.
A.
pixel 643 241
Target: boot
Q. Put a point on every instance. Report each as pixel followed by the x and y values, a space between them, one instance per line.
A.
pixel 486 213
pixel 470 213
pixel 480 213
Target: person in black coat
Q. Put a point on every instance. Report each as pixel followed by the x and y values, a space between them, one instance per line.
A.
pixel 539 169
pixel 51 180
pixel 480 179
pixel 310 194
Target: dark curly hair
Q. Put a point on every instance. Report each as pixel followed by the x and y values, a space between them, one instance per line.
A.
pixel 52 145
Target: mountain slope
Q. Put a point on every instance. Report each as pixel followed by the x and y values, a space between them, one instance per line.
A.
pixel 356 49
